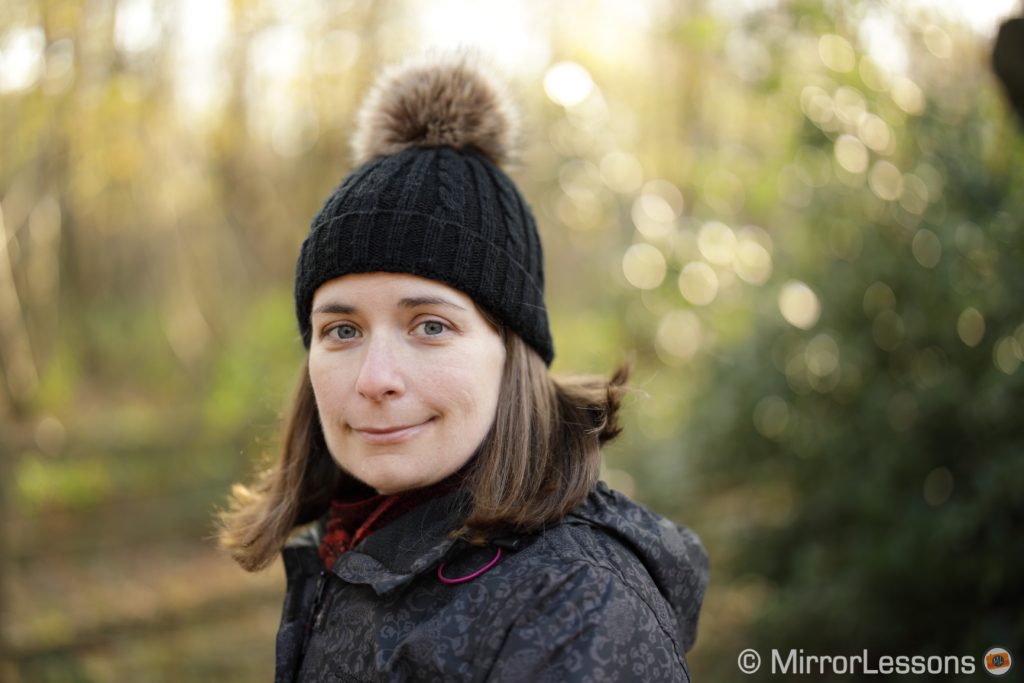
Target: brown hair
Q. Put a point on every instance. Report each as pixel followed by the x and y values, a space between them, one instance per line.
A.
pixel 538 461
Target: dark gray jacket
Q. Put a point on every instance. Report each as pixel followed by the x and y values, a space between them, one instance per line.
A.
pixel 611 593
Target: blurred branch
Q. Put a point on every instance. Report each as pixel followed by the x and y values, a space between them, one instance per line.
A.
pixel 15 346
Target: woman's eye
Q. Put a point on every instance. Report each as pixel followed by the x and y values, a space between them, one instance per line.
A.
pixel 344 331
pixel 432 327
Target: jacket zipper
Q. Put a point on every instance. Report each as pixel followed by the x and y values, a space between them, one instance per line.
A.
pixel 313 620
pixel 321 585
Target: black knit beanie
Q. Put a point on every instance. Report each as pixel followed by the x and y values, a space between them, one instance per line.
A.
pixel 429 198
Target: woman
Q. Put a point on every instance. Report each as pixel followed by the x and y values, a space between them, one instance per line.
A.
pixel 458 528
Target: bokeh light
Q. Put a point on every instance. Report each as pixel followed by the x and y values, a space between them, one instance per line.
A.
pixel 851 154
pixel 907 95
pixel 799 304
pixel 927 248
pixel 698 283
pixel 970 325
pixel 717 243
pixel 938 41
pixel 678 335
pixel 836 53
pixel 644 266
pixel 874 132
pixel 568 83
pixel 771 416
pixel 22 58
pixel 622 172
pixel 885 180
pixel 878 297
pixel 1007 355
pixel 753 260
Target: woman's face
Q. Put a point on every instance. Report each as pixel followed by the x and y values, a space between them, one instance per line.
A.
pixel 406 373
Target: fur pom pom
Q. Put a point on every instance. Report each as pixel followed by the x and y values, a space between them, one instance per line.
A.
pixel 436 101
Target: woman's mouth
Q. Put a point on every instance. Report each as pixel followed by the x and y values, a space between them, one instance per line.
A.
pixel 387 434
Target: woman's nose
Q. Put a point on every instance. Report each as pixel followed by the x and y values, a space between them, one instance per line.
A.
pixel 380 376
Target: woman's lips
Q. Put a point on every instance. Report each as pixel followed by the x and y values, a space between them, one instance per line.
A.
pixel 390 435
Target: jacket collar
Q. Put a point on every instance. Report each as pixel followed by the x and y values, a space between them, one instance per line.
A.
pixel 395 554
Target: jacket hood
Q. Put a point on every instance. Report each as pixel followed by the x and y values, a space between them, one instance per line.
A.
pixel 672 554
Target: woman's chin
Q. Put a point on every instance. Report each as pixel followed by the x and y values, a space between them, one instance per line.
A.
pixel 387 481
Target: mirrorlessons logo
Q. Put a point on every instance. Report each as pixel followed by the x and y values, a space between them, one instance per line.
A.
pixel 997 662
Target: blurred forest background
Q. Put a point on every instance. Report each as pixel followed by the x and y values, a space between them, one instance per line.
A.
pixel 803 219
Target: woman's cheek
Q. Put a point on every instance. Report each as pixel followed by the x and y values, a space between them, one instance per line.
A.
pixel 330 392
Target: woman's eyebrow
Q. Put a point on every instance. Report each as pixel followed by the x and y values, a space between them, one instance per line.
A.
pixel 334 307
pixel 413 302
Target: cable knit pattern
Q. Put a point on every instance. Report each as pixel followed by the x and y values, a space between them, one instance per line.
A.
pixel 443 214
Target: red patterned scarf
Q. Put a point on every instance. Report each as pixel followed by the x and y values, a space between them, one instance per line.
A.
pixel 351 520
